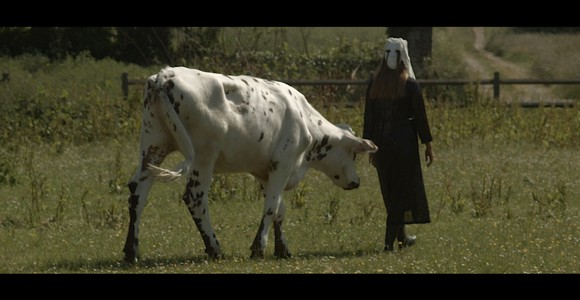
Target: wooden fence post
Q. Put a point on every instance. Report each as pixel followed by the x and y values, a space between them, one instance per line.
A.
pixel 495 85
pixel 125 84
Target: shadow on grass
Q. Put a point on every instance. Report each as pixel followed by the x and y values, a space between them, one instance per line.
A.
pixel 120 266
pixel 158 263
pixel 338 254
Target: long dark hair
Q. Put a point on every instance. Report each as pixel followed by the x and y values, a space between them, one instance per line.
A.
pixel 389 84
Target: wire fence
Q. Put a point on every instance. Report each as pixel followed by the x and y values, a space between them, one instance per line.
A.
pixel 496 82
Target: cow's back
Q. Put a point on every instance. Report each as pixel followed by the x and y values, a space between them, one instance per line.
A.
pixel 243 117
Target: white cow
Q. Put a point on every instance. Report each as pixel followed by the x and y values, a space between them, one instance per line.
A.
pixel 228 124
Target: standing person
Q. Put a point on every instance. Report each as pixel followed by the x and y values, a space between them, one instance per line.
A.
pixel 394 116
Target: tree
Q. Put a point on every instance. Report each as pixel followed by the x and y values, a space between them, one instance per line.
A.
pixel 144 45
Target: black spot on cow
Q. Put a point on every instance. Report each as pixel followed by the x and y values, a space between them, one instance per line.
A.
pixel 319 150
pixel 195 173
pixel 153 155
pixel 170 96
pixel 274 165
pixel 255 79
pixel 190 184
pixel 290 91
pixel 243 110
pixel 271 110
pixel 269 212
pixel 176 107
pixel 244 81
pixel 261 136
pixel 133 201
pixel 181 96
pixel 132 187
pixel 319 122
pixel 322 143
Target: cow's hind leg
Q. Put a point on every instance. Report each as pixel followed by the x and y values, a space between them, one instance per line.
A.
pixel 196 200
pixel 139 191
pixel 139 187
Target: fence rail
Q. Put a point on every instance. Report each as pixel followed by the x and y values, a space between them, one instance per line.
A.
pixel 495 81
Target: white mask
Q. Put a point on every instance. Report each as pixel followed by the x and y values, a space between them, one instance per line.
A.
pixel 394 46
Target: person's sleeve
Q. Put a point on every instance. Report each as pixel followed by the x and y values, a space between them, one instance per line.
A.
pixel 368 126
pixel 422 122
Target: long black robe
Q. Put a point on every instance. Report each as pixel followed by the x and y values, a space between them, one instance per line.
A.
pixel 394 127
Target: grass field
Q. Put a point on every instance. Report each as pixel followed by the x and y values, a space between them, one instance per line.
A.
pixel 503 191
pixel 496 208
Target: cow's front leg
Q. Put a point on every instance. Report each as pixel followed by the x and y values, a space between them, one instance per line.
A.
pixel 273 213
pixel 280 246
pixel 196 200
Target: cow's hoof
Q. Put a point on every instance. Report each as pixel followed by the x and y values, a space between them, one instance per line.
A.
pixel 213 254
pixel 130 259
pixel 128 264
pixel 257 254
pixel 281 251
pixel 283 255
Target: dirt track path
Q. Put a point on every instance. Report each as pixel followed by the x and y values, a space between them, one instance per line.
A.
pixel 483 64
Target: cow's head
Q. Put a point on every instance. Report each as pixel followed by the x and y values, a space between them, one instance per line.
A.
pixel 335 156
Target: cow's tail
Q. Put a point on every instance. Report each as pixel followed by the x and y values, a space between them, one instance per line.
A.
pixel 180 136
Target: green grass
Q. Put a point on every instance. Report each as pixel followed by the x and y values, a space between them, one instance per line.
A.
pixel 497 207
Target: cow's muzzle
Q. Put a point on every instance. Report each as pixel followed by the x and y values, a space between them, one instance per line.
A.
pixel 352 185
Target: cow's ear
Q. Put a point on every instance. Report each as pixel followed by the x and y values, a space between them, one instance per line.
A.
pixel 345 127
pixel 364 146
